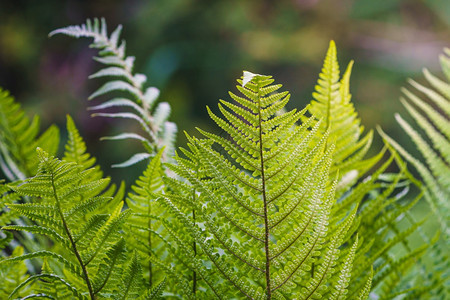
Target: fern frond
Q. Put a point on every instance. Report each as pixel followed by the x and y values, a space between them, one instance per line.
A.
pixel 19 137
pixel 68 196
pixel 12 274
pixel 332 105
pixel 6 198
pixel 131 284
pixel 364 294
pixel 340 289
pixel 432 138
pixel 50 277
pixel 264 206
pixel 141 224
pixel 159 132
pixel 76 149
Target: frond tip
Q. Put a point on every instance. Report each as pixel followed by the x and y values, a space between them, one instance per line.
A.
pixel 138 101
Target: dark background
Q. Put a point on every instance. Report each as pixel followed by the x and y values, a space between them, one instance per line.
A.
pixel 193 51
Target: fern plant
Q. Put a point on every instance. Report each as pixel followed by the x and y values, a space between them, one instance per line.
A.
pixel 332 105
pixel 266 215
pixel 380 197
pixel 433 143
pixel 285 207
pixel 69 208
pixel 140 101
pixel 19 139
pixel 435 124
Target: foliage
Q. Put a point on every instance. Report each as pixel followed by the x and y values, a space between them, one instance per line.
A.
pixel 432 117
pixel 139 100
pixel 19 139
pixel 285 206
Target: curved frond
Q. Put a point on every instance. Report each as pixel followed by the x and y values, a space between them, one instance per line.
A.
pixel 431 136
pixel 140 101
pixel 19 137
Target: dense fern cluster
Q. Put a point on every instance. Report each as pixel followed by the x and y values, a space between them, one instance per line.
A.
pixel 286 206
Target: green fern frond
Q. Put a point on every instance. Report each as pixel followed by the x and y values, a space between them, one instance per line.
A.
pixel 55 279
pixel 364 294
pixel 7 197
pixel 76 152
pixel 141 224
pixel 139 101
pixel 12 274
pixel 262 211
pixel 155 292
pixel 434 145
pixel 131 285
pixel 332 105
pixel 19 137
pixel 67 196
pixel 76 148
pixel 432 138
pixel 340 289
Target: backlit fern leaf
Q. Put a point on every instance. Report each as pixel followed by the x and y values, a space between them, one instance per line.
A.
pixel 75 151
pixel 376 215
pixel 64 198
pixel 263 210
pixel 13 274
pixel 332 105
pixel 6 197
pixel 431 135
pixel 140 101
pixel 143 229
pixel 434 141
pixel 19 137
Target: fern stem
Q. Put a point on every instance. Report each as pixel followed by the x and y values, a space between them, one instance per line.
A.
pixel 150 276
pixel 74 246
pixel 266 221
pixel 194 244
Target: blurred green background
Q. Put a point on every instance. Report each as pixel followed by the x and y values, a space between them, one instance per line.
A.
pixel 193 51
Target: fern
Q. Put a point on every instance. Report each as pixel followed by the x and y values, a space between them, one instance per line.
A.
pixel 159 133
pixel 285 207
pixel 66 200
pixel 377 199
pixel 13 274
pixel 19 139
pixel 265 222
pixel 332 104
pixel 433 142
pixel 143 228
pixel 435 169
pixel 75 151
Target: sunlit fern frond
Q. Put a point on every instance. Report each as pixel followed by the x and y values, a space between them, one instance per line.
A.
pixel 6 197
pixel 13 274
pixel 332 104
pixel 432 139
pixel 62 198
pixel 390 239
pixel 19 137
pixel 356 189
pixel 138 103
pixel 76 152
pixel 262 211
pixel 431 136
pixel 144 227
